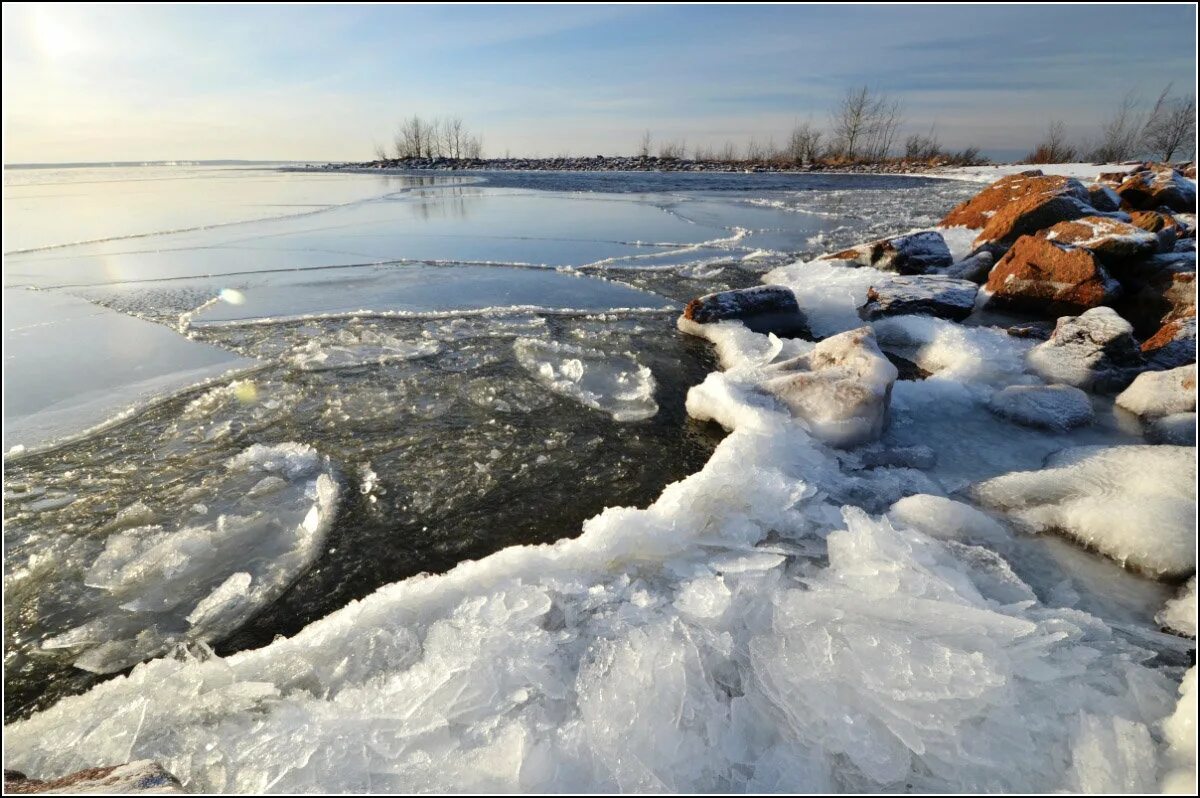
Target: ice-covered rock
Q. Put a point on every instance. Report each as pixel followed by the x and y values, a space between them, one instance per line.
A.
pixel 954 352
pixel 840 389
pixel 763 309
pixel 152 587
pixel 1151 189
pixel 1161 393
pixel 1179 614
pixel 1095 351
pixel 1054 407
pixel 1135 504
pixel 977 211
pixel 133 777
pixel 1178 429
pixel 923 295
pixel 1110 239
pixel 947 519
pixel 616 384
pixel 974 268
pixel 1041 276
pixel 916 253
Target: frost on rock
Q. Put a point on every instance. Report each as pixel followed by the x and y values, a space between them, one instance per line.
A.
pixel 1135 504
pixel 923 295
pixel 840 389
pixel 1178 429
pixel 763 309
pixel 916 253
pixel 1161 393
pixel 152 587
pixel 1180 731
pixel 1054 407
pixel 349 348
pixel 1179 615
pixel 615 384
pixel 1095 351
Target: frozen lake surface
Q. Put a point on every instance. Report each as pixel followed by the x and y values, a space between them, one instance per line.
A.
pixel 243 403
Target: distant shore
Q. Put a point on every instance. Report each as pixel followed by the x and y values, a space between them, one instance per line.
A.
pixel 602 163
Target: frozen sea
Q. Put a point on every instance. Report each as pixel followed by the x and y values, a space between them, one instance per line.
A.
pixel 244 404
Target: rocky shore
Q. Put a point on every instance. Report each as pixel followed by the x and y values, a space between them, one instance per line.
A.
pixel 623 163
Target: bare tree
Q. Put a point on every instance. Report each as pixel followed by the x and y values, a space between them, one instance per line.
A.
pixel 672 150
pixel 923 147
pixel 728 153
pixel 1121 132
pixel 1171 126
pixel 804 144
pixel 1054 147
pixel 436 138
pixel 380 152
pixel 865 124
pixel 644 145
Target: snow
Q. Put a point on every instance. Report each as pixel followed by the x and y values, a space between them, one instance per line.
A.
pixel 152 586
pixel 616 384
pixel 1054 407
pixel 1154 394
pixel 1136 504
pixel 1180 731
pixel 1179 614
pixel 992 172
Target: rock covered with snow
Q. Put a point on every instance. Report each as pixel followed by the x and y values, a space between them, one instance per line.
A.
pixel 1053 407
pixel 979 210
pixel 1173 345
pixel 923 295
pixel 1150 189
pixel 840 389
pixel 916 253
pixel 1110 239
pixel 764 309
pixel 1042 276
pixel 1177 429
pixel 1135 504
pixel 1180 732
pixel 1154 394
pixel 1103 198
pixel 1179 614
pixel 199 578
pixel 133 777
pixel 1095 351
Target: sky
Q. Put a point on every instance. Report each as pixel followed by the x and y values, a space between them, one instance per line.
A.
pixel 86 83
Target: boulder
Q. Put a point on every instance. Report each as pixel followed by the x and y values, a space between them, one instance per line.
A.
pixel 1173 345
pixel 1027 216
pixel 1053 407
pixel 763 309
pixel 143 776
pixel 1110 239
pixel 1042 276
pixel 975 268
pixel 1162 187
pixel 921 295
pixel 1177 429
pixel 1157 291
pixel 840 389
pixel 917 253
pixel 978 211
pixel 1154 221
pixel 1037 330
pixel 1161 393
pixel 1103 198
pixel 1095 351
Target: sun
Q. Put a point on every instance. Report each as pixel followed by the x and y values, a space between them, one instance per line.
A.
pixel 53 38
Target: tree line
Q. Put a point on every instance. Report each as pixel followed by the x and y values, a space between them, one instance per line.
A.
pixel 417 137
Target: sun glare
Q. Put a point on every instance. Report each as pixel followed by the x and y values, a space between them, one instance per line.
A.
pixel 53 38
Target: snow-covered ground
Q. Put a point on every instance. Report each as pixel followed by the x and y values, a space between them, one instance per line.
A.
pixel 792 617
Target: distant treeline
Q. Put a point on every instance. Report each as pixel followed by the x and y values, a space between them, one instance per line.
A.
pixel 1167 129
pixel 432 138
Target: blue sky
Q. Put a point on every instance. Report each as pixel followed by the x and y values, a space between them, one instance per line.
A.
pixel 86 83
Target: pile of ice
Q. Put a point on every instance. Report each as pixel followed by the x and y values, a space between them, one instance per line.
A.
pixel 1179 615
pixel 613 383
pixel 206 572
pixel 348 348
pixel 1136 504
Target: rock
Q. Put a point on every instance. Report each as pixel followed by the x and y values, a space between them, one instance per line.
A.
pixel 1161 393
pixel 840 389
pixel 906 370
pixel 143 776
pixel 1173 345
pixel 1177 429
pixel 1103 198
pixel 974 268
pixel 918 253
pixel 922 295
pixel 1161 187
pixel 1054 407
pixel 1110 239
pixel 1157 290
pixel 1037 330
pixel 1095 351
pixel 763 309
pixel 980 209
pixel 1026 217
pixel 1045 277
pixel 1154 221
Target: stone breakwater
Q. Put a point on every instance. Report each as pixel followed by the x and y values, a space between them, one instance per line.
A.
pixel 621 163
